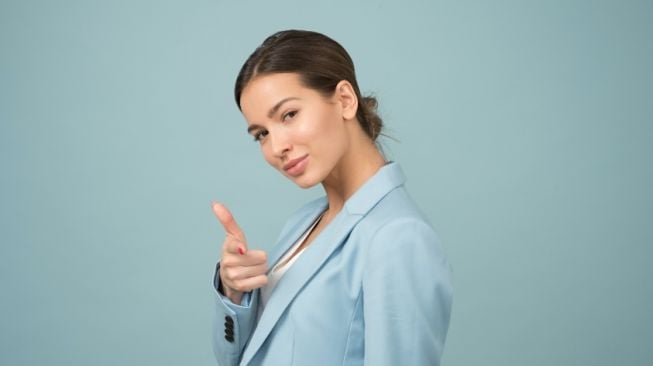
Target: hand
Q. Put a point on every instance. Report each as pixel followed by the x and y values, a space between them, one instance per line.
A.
pixel 241 270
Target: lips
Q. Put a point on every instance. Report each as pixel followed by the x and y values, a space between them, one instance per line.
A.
pixel 295 166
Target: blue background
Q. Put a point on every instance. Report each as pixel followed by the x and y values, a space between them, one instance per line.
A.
pixel 524 129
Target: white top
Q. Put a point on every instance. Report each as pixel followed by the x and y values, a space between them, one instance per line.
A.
pixel 277 272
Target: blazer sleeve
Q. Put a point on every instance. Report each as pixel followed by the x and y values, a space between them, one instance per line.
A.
pixel 233 324
pixel 407 295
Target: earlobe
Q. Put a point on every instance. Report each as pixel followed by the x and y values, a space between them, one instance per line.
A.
pixel 348 99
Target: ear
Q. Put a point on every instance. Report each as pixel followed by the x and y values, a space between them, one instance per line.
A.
pixel 346 96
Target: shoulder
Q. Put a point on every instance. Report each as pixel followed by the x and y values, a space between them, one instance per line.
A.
pixel 396 210
pixel 395 227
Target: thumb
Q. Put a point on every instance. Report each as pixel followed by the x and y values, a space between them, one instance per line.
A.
pixel 228 222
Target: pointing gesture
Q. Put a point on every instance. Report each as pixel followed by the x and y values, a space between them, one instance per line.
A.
pixel 241 270
pixel 231 228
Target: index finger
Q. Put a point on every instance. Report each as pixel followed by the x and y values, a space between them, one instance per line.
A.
pixel 234 246
pixel 227 220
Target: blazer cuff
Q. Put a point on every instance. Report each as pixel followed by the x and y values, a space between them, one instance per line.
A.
pixel 229 340
pixel 245 300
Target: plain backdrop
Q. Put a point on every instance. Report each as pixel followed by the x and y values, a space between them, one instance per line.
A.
pixel 524 128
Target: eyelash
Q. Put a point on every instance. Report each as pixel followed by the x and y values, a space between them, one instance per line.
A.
pixel 294 113
pixel 257 135
pixel 261 133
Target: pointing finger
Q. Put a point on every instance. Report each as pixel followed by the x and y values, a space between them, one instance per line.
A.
pixel 228 222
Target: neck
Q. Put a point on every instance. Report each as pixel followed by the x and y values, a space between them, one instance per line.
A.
pixel 360 163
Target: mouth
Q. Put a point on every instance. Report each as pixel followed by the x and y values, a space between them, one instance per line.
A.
pixel 296 166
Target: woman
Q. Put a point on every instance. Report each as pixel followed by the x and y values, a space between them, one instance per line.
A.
pixel 357 277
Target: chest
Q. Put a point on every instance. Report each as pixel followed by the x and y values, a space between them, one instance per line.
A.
pixel 327 302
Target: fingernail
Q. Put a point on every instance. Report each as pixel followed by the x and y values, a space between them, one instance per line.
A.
pixel 241 251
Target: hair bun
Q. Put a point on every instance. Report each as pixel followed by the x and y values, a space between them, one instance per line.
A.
pixel 371 122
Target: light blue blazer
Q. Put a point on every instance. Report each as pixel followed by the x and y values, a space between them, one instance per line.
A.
pixel 373 288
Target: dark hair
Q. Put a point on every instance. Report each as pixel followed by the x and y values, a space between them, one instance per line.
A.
pixel 321 64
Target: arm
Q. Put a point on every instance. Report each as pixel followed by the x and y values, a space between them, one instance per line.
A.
pixel 243 273
pixel 407 295
pixel 228 350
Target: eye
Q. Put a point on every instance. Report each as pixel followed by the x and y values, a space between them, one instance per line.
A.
pixel 289 114
pixel 260 134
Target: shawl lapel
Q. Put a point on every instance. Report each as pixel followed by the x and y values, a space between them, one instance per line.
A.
pixel 295 232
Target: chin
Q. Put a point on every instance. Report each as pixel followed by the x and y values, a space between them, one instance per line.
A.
pixel 305 186
pixel 304 181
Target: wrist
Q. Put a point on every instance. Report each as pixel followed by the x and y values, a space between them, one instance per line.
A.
pixel 233 295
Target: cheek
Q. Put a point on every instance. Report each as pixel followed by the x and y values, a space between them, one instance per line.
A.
pixel 321 126
pixel 333 132
pixel 267 154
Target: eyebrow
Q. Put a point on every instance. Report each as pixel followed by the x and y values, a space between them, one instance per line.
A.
pixel 272 111
pixel 276 107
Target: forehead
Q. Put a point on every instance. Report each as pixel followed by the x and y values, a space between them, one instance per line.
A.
pixel 263 92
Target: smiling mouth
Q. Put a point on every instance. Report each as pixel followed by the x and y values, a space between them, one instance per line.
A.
pixel 296 166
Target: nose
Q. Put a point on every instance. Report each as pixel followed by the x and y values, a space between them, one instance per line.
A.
pixel 280 145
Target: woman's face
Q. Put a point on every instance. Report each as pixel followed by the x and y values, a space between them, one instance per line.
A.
pixel 301 133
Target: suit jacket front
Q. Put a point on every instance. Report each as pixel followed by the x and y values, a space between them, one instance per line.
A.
pixel 373 288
